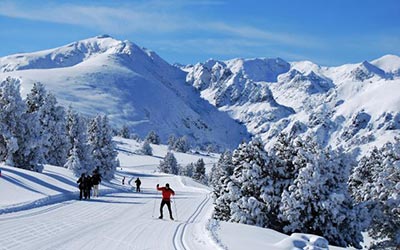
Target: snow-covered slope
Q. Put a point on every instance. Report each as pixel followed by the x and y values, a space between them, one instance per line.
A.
pixel 389 63
pixel 230 87
pixel 133 85
pixel 349 105
pixel 42 211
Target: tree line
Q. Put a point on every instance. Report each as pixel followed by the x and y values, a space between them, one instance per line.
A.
pixel 38 131
pixel 299 186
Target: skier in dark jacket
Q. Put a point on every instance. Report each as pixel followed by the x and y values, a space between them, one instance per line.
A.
pixel 81 182
pixel 87 186
pixel 166 199
pixel 138 183
pixel 96 179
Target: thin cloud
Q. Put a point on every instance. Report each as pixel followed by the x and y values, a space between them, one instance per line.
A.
pixel 148 18
pixel 261 34
pixel 119 20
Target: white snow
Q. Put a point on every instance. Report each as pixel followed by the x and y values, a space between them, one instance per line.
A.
pixel 135 87
pixel 321 100
pixel 41 211
pixel 374 99
pixel 389 63
pixel 132 85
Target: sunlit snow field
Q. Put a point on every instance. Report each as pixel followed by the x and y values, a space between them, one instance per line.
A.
pixel 42 211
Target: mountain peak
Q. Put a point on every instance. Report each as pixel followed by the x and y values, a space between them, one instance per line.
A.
pixel 259 69
pixel 371 69
pixel 389 63
pixel 73 54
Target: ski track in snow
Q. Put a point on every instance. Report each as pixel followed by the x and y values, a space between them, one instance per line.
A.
pixel 117 220
pixel 120 218
pixel 181 229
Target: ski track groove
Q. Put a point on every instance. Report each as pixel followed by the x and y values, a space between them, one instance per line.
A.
pixel 122 243
pixel 39 230
pixel 50 208
pixel 88 228
pixel 178 239
pixel 36 230
pixel 53 199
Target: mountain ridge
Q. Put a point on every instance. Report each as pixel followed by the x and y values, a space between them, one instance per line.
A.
pixel 134 85
pixel 325 101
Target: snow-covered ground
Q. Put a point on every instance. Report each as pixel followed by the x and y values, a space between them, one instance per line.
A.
pixel 42 211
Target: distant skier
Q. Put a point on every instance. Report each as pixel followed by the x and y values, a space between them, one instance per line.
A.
pixel 166 199
pixel 123 180
pixel 87 187
pixel 96 179
pixel 81 185
pixel 138 183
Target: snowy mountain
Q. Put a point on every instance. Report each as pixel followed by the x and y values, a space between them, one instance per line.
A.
pixel 349 105
pixel 230 87
pixel 217 102
pixel 132 85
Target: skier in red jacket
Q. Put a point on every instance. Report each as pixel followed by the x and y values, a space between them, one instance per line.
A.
pixel 166 199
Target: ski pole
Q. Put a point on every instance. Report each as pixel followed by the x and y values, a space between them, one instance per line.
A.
pixel 154 208
pixel 176 210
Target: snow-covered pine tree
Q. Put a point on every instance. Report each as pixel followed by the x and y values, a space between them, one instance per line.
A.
pixel 199 173
pixel 181 144
pixel 222 168
pixel 212 179
pixel 187 170
pixel 30 144
pixel 281 172
pixel 56 126
pixel 146 148
pixel 171 142
pixel 20 141
pixel 318 201
pixel 77 135
pixel 125 132
pixel 34 102
pixel 73 163
pixel 152 137
pixel 375 182
pixel 219 177
pixel 245 188
pixel 11 112
pixel 53 124
pixel 169 164
pixel 102 146
pixel 36 98
pixel 363 175
pixel 222 210
pixel 386 192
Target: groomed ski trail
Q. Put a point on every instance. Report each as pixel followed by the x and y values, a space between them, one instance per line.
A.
pixel 179 240
pixel 120 220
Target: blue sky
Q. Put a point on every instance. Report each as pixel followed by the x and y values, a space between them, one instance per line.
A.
pixel 322 31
